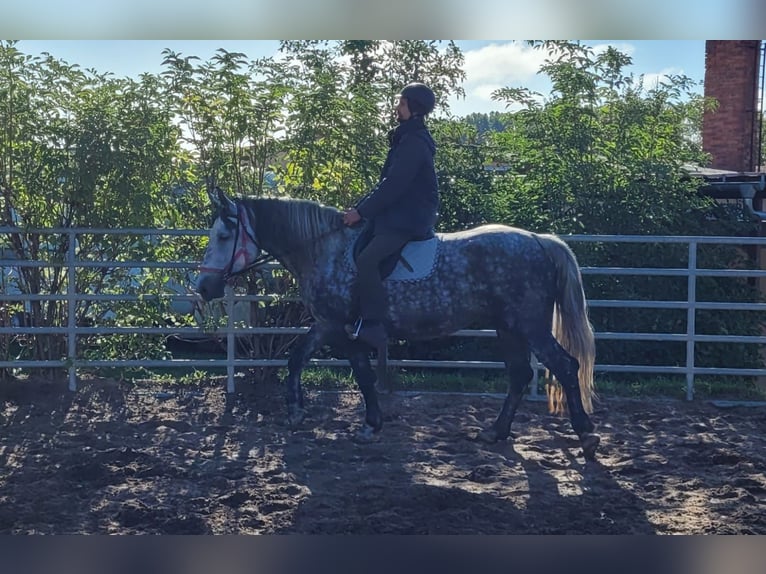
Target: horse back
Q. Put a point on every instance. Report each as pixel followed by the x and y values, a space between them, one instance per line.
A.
pixel 502 244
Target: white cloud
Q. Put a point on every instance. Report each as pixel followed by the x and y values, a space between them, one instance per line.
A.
pixel 483 91
pixel 515 64
pixel 502 64
pixel 495 66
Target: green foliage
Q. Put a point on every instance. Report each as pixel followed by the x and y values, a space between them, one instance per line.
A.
pixel 465 187
pixel 340 109
pixel 488 123
pixel 602 154
pixel 229 110
pixel 605 155
pixel 78 149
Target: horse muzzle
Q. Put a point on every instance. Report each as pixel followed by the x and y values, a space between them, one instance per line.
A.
pixel 211 286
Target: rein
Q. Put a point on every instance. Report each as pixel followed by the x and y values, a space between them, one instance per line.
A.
pixel 260 261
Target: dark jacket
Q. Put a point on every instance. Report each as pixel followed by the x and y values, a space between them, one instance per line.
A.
pixel 406 199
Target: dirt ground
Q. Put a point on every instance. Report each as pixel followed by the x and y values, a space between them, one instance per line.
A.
pixel 118 458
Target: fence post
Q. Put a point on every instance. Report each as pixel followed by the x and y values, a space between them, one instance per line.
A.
pixel 690 319
pixel 535 384
pixel 71 301
pixel 230 339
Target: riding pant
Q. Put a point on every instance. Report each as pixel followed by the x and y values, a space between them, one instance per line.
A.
pixel 372 295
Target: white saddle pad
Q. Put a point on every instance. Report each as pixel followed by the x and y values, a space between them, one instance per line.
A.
pixel 420 255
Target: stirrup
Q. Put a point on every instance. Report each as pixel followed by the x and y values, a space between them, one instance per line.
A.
pixel 353 330
pixel 375 336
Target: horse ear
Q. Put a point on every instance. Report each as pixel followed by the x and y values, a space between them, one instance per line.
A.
pixel 226 203
pixel 213 197
pixel 210 188
pixel 221 201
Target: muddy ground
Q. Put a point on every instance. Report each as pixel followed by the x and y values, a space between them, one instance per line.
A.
pixel 149 459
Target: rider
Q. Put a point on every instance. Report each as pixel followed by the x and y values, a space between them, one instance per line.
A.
pixel 401 207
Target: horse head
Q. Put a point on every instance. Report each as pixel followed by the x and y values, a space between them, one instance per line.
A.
pixel 232 248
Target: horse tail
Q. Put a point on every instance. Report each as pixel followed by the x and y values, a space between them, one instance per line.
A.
pixel 571 326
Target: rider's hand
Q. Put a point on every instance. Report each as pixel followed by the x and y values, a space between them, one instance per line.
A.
pixel 351 217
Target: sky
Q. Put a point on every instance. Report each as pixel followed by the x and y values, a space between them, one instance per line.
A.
pixel 394 19
pixel 489 64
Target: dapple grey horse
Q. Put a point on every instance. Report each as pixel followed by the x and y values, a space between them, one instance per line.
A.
pixel 526 286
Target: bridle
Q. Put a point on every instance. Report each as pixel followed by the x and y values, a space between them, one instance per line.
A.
pixel 243 234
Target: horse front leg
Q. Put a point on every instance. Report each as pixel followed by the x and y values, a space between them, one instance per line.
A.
pixel 299 358
pixel 365 378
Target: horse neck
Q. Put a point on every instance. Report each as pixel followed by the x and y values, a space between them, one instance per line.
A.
pixel 295 232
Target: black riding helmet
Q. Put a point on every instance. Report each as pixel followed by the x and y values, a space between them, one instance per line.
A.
pixel 420 98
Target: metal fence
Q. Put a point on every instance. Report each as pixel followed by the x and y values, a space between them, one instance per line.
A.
pixel 231 330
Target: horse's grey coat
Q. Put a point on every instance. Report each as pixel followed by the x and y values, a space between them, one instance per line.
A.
pixel 480 275
pixel 493 276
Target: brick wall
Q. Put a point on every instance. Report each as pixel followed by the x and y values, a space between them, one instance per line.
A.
pixel 730 133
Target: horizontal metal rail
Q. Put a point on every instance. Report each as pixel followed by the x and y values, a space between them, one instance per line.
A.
pixel 343 363
pixel 612 303
pixel 245 331
pixel 233 330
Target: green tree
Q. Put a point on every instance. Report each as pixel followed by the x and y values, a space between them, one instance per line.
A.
pixel 486 123
pixel 230 110
pixel 606 154
pixel 609 152
pixel 341 106
pixel 78 148
pixel 465 187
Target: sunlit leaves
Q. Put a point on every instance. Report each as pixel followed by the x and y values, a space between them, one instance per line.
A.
pixel 607 151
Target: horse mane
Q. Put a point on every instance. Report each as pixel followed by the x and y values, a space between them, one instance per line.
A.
pixel 291 219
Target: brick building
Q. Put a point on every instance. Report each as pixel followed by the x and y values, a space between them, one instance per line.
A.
pixel 731 134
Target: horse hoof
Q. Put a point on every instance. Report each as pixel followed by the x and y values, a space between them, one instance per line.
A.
pixel 295 418
pixel 589 442
pixel 488 436
pixel 382 389
pixel 366 434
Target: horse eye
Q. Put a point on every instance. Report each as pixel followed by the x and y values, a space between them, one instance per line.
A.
pixel 224 235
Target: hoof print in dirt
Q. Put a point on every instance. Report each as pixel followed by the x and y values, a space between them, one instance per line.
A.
pixel 235 499
pixel 483 474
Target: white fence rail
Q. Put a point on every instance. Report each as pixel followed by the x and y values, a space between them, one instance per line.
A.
pixel 71 330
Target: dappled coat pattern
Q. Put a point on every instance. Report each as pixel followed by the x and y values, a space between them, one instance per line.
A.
pixel 526 286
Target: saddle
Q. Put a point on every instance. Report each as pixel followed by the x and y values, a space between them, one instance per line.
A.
pixel 388 264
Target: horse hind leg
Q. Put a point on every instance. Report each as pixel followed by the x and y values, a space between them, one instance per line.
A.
pixel 517 358
pixel 565 368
